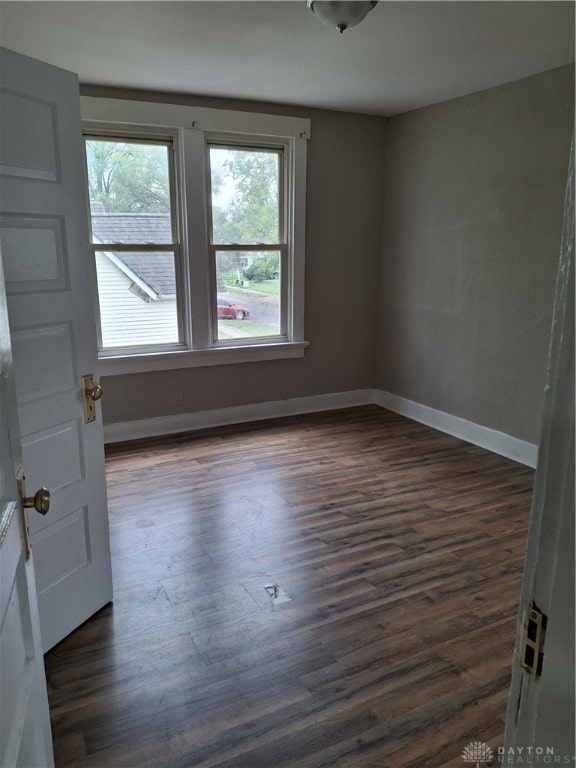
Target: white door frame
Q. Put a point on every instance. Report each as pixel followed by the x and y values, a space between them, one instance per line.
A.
pixel 541 710
pixel 25 736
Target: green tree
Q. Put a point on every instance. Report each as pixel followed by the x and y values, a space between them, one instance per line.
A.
pixel 134 178
pixel 128 178
pixel 251 215
pixel 264 268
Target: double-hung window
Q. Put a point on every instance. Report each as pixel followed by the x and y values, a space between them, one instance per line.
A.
pixel 197 225
pixel 135 237
pixel 248 240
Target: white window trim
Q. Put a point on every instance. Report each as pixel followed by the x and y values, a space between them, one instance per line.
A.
pixel 191 124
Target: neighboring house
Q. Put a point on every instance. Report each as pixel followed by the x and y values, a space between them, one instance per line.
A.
pixel 137 290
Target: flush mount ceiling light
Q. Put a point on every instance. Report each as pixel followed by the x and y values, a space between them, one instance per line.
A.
pixel 341 14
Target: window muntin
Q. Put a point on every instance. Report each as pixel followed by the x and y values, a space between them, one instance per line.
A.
pixel 248 242
pixel 134 236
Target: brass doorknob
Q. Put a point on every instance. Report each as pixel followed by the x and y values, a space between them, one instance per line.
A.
pixel 40 501
pixel 95 392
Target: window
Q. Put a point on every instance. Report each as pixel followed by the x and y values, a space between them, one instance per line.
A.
pixel 134 236
pixel 248 244
pixel 197 223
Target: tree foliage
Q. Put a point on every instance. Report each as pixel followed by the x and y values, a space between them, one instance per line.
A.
pixel 128 178
pixel 262 269
pixel 134 178
pixel 251 214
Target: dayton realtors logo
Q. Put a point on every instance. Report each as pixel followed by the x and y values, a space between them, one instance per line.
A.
pixel 532 756
pixel 479 753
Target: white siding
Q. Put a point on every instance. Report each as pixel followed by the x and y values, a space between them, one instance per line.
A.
pixel 126 319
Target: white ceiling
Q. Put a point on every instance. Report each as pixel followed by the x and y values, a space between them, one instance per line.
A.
pixel 403 56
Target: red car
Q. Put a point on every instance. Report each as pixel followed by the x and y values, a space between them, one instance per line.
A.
pixel 229 311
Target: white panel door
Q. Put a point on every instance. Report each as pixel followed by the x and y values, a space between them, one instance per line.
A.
pixel 25 738
pixel 48 276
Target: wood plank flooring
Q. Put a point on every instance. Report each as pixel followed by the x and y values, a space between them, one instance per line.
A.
pixel 338 589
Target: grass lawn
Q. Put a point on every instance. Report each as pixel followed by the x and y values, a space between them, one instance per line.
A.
pixel 268 286
pixel 249 329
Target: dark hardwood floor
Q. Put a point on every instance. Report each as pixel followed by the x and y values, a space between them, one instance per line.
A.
pixel 338 589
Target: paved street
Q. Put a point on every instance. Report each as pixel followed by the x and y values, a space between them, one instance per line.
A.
pixel 263 309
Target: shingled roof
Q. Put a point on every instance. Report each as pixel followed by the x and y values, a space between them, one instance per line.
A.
pixel 155 268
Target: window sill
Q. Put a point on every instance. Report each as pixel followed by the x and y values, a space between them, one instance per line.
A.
pixel 166 361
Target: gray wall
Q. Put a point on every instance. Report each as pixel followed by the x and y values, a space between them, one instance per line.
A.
pixel 473 201
pixel 450 308
pixel 345 191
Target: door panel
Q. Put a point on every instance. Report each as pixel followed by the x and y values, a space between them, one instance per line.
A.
pixel 62 550
pixel 49 348
pixel 22 237
pixel 24 722
pixel 29 145
pixel 44 239
pixel 57 452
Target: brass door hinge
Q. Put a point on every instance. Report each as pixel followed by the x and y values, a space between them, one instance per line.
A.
pixel 532 647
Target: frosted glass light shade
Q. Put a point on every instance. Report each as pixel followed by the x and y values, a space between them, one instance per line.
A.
pixel 341 14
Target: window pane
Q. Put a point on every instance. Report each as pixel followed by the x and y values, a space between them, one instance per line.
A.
pixel 245 185
pixel 129 186
pixel 137 296
pixel 248 294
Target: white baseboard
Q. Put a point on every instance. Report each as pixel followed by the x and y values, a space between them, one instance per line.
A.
pixel 491 439
pixel 497 442
pixel 188 422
